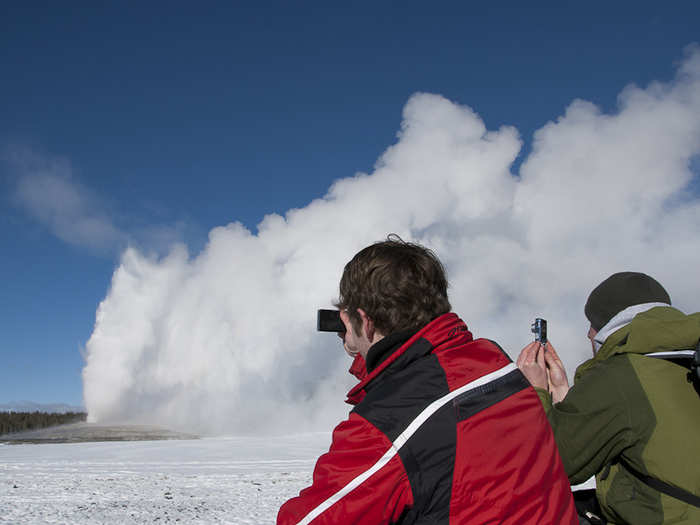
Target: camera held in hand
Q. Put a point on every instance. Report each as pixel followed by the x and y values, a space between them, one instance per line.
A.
pixel 539 328
pixel 329 321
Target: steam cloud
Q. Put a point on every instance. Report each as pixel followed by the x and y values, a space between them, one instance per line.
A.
pixel 225 341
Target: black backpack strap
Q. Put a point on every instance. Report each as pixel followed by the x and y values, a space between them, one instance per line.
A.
pixel 694 374
pixel 662 486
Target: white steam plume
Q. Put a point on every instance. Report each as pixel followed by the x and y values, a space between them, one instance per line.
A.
pixel 224 341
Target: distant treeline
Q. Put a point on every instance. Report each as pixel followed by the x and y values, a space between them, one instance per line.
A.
pixel 21 421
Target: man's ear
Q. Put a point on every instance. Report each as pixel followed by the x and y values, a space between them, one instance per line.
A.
pixel 367 324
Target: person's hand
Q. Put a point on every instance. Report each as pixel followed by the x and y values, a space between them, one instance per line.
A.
pixel 531 363
pixel 558 382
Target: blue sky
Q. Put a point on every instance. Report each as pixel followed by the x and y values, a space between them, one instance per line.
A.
pixel 165 120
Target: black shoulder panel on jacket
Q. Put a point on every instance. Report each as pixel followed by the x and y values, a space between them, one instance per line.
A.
pixel 428 456
pixel 481 398
pixel 403 390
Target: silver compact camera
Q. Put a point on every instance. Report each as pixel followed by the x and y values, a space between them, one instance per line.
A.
pixel 539 328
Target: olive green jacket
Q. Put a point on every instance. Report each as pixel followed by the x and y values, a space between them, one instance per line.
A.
pixel 642 409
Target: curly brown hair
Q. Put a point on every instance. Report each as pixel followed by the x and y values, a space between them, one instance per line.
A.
pixel 400 285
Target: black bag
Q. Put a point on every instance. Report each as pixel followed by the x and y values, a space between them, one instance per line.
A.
pixel 588 508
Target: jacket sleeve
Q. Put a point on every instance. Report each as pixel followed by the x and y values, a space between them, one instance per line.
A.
pixel 592 424
pixel 360 480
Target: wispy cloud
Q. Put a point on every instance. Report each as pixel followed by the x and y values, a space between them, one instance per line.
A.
pixel 45 188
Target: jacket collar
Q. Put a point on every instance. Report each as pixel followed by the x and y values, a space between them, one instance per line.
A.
pixel 620 320
pixel 386 347
pixel 443 329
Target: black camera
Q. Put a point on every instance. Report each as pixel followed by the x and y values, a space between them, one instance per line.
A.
pixel 539 328
pixel 329 321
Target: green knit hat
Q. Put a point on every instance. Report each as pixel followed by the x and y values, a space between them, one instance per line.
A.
pixel 620 291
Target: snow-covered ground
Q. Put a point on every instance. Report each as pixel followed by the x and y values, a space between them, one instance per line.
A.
pixel 240 480
pixel 212 480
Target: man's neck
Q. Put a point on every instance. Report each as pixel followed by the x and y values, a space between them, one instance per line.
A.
pixel 384 347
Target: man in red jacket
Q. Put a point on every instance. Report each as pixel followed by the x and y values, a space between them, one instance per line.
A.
pixel 445 428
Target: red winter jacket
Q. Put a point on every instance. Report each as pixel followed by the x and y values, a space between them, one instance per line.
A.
pixel 446 430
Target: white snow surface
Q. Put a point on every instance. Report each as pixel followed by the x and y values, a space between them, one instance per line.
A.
pixel 240 480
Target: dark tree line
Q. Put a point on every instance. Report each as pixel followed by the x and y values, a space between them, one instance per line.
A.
pixel 21 421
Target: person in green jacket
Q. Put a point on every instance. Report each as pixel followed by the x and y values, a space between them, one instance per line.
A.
pixel 628 415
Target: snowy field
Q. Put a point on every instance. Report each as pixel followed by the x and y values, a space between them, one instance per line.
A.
pixel 210 480
pixel 240 480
